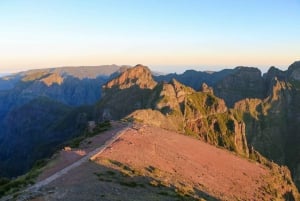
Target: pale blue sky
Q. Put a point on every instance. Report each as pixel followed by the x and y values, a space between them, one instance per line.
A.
pixel 166 35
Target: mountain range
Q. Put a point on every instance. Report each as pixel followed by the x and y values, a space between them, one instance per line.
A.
pixel 254 115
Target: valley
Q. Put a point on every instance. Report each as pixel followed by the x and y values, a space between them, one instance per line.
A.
pixel 240 111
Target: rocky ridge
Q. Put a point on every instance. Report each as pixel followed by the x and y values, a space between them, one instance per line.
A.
pixel 269 107
pixel 240 110
pixel 173 106
pixel 258 119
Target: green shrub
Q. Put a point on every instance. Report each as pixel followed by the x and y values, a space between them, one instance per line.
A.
pixel 100 127
pixel 131 184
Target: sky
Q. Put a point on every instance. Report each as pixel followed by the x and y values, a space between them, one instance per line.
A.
pixel 166 35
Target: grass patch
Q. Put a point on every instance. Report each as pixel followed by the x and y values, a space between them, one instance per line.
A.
pixel 163 193
pixel 100 127
pixel 11 186
pixel 110 172
pixel 131 184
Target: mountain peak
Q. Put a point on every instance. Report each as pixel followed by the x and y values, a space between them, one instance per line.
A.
pixel 294 70
pixel 137 76
pixel 246 69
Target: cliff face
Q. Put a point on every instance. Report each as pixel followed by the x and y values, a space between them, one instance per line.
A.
pixel 244 82
pixel 264 114
pixel 236 109
pixel 126 93
pixel 173 106
pixel 260 123
pixel 272 123
pixel 195 79
pixel 293 118
pixel 138 76
pixel 231 85
pixel 266 121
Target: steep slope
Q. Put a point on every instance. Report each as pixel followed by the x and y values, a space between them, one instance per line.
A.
pixel 231 85
pixel 34 131
pixel 149 163
pixel 269 106
pixel 267 121
pixel 126 93
pixel 194 78
pixel 272 123
pixel 173 106
pixel 71 86
pixel 61 84
pixel 171 160
pixel 293 138
pixel 245 82
pixel 35 105
pixel 239 109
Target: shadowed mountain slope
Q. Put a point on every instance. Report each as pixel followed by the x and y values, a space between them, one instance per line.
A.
pixel 238 109
pixel 264 114
pixel 41 109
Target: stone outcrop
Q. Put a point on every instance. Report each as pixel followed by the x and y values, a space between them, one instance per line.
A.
pixel 206 89
pixel 236 109
pixel 272 122
pixel 244 82
pixel 52 79
pixel 173 106
pixel 137 76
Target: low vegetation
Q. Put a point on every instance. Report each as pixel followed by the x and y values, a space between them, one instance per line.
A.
pixel 150 178
pixel 9 186
pixel 99 128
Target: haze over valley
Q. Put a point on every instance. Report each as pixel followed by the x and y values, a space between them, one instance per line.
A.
pixel 149 100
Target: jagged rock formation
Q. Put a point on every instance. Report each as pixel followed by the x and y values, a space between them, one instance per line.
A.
pixel 268 105
pixel 244 82
pixel 138 76
pixel 272 122
pixel 264 111
pixel 206 89
pixel 233 104
pixel 173 106
pixel 126 93
pixel 194 78
pixel 231 85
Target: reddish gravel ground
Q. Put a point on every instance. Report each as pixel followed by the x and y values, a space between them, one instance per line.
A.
pixel 66 158
pixel 149 163
pixel 215 171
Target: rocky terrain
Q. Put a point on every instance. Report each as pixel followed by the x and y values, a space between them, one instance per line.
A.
pixel 272 122
pixel 252 115
pixel 173 106
pixel 268 106
pixel 150 163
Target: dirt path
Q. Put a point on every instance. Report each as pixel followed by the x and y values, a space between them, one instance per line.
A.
pixel 86 158
pixel 142 162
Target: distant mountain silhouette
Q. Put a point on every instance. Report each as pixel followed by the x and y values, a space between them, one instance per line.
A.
pixel 238 109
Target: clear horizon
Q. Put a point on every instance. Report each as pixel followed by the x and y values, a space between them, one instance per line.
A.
pixel 167 36
pixel 159 69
